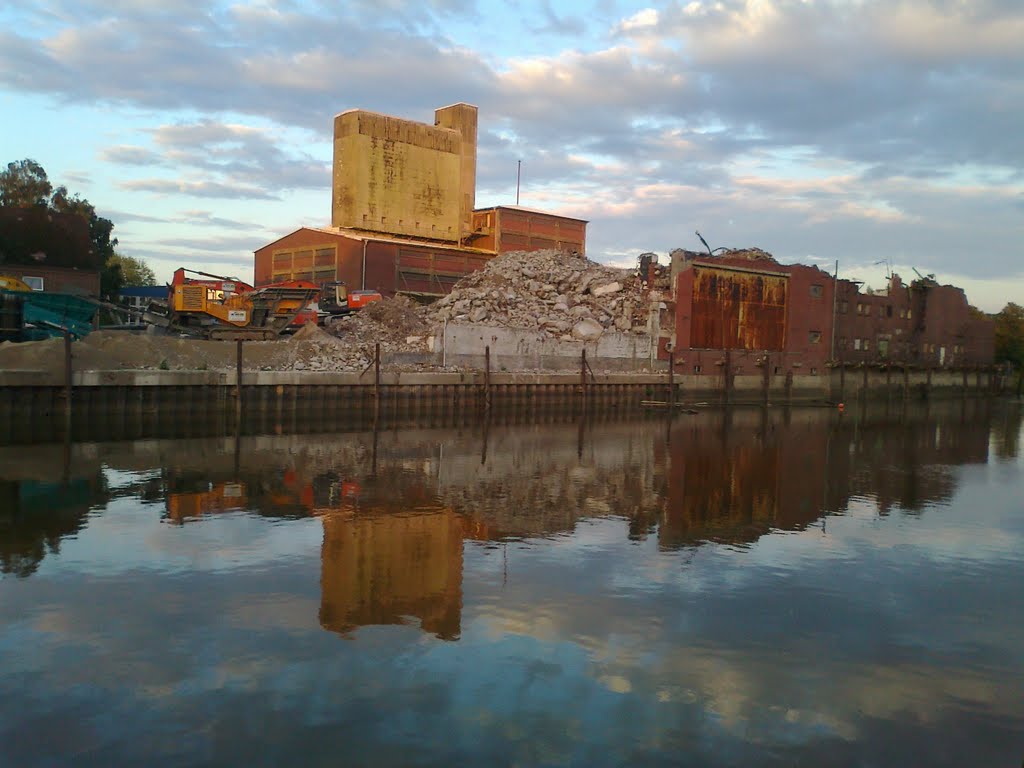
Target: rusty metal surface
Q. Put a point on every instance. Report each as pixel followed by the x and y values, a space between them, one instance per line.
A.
pixel 738 310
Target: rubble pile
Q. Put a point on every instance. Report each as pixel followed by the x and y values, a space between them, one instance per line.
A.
pixel 560 296
pixel 390 321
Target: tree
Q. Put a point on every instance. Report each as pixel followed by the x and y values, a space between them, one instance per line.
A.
pixel 24 183
pixel 133 271
pixel 1010 335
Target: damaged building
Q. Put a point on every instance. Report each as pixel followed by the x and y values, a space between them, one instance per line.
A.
pixel 745 311
pixel 403 216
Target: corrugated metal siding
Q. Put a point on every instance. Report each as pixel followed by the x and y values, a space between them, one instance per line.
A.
pixel 738 310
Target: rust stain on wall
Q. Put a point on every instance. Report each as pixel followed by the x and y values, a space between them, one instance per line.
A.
pixel 738 310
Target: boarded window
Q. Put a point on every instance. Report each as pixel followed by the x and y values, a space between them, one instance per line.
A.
pixel 817 291
pixel 814 337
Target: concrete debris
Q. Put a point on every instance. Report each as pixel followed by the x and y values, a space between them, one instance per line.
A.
pixel 555 295
pixel 546 291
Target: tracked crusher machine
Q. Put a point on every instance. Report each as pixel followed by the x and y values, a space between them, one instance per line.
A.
pixel 226 308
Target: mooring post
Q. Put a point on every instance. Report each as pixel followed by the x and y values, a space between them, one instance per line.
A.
pixel 671 382
pixel 67 378
pixel 487 378
pixel 583 378
pixel 238 382
pixel 766 373
pixel 727 383
pixel 376 382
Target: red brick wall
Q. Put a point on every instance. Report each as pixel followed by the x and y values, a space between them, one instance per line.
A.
pixel 58 279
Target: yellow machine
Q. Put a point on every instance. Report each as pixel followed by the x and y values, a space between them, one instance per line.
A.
pixel 224 308
pixel 9 283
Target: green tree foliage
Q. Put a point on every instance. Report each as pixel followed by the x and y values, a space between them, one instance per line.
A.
pixel 1010 335
pixel 134 271
pixel 25 183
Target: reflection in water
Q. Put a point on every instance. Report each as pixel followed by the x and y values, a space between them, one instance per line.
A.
pixel 297 587
pixel 383 565
pixel 36 514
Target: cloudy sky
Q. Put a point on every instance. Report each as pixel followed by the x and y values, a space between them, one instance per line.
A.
pixel 875 132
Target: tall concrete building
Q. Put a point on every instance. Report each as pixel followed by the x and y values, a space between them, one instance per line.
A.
pixel 403 215
pixel 406 178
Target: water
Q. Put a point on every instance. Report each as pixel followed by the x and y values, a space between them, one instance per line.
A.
pixel 750 588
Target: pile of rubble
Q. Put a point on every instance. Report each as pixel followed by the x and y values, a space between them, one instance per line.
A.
pixel 560 296
pixel 390 322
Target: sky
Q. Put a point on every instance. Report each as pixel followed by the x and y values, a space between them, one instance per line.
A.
pixel 882 134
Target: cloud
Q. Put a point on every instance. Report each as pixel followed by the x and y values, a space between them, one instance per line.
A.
pixel 198 189
pixel 833 128
pixel 126 155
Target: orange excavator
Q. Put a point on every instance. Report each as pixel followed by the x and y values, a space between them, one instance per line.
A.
pixel 217 307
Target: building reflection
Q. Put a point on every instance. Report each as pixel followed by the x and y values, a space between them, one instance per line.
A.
pixel 395 522
pixel 733 476
pixel 381 566
pixel 389 554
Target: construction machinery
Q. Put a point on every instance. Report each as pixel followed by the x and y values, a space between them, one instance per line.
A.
pixel 28 315
pixel 336 300
pixel 226 308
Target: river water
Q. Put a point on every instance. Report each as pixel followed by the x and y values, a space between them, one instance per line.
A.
pixel 742 588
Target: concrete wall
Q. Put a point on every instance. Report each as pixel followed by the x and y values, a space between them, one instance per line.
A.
pixel 514 349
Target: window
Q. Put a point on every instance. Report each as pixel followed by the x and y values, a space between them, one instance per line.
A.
pixel 909 314
pixel 860 309
pixel 842 342
pixel 856 344
pixel 814 371
pixel 881 311
pixel 867 344
pixel 888 310
pixel 696 369
pixel 35 283
pixel 843 307
pixel 903 313
pixel 814 337
pixel 817 291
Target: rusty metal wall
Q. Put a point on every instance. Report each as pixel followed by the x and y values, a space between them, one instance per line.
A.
pixel 734 309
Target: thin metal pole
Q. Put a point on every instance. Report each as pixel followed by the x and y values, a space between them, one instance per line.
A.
pixel 238 382
pixel 67 378
pixel 487 378
pixel 376 383
pixel 671 382
pixel 835 294
pixel 583 378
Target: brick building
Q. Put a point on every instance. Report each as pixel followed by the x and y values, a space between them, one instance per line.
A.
pixel 49 251
pixel 403 216
pixel 744 311
pixel 744 308
pixel 923 323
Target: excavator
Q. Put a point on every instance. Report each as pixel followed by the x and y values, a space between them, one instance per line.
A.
pixel 225 308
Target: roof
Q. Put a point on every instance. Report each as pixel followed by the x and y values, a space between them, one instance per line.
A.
pixel 524 209
pixel 380 237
